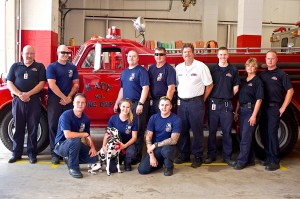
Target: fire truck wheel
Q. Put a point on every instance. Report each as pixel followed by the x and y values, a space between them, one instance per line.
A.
pixel 287 136
pixel 7 130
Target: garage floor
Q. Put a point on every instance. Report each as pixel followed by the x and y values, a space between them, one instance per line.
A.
pixel 44 180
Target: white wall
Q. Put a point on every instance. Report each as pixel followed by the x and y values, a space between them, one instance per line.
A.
pixel 275 12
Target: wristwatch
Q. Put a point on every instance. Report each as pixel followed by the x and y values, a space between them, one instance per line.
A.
pixel 140 103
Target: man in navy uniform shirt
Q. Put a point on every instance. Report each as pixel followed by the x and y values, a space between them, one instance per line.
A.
pixel 62 77
pixel 278 92
pixel 72 127
pixel 162 78
pixel 163 132
pixel 220 110
pixel 25 81
pixel 135 86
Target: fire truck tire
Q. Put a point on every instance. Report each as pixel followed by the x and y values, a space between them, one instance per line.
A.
pixel 287 135
pixel 7 129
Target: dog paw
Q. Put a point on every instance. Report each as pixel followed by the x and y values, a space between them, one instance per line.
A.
pixel 92 172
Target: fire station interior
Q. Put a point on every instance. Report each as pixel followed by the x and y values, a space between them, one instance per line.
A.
pixel 207 24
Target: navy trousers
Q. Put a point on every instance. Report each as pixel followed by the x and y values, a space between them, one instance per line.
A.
pixel 192 115
pixel 76 151
pixel 54 110
pixel 222 115
pixel 246 154
pixel 269 124
pixel 141 120
pixel 165 156
pixel 26 114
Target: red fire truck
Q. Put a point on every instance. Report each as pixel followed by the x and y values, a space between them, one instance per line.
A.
pixel 100 62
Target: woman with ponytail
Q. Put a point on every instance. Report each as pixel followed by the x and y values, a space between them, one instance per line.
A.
pixel 127 127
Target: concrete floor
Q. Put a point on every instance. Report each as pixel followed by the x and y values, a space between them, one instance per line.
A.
pixel 44 180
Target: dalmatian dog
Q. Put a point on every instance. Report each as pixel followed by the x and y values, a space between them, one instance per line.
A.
pixel 113 151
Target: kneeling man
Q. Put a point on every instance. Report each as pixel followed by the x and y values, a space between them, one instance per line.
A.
pixel 72 126
pixel 163 132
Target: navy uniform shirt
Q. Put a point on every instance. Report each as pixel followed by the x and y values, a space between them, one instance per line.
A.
pixel 162 128
pixel 69 121
pixel 160 79
pixel 124 128
pixel 26 78
pixel 132 82
pixel 224 79
pixel 250 91
pixel 276 82
pixel 64 76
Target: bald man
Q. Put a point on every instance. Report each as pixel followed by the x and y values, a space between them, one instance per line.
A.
pixel 62 77
pixel 25 81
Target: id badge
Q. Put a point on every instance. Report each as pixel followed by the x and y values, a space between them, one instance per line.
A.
pixel 213 107
pixel 25 75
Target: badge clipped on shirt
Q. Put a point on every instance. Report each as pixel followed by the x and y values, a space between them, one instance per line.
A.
pixel 26 75
pixel 213 106
pixel 178 102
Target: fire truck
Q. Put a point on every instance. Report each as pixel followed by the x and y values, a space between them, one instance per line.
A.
pixel 100 62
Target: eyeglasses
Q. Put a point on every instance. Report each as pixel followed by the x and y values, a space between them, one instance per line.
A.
pixel 159 54
pixel 65 52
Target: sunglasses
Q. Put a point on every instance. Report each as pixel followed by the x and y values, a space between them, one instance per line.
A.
pixel 65 52
pixel 159 54
pixel 164 98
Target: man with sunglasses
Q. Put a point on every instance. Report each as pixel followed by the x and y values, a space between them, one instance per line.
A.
pixel 163 132
pixel 62 77
pixel 162 78
pixel 194 84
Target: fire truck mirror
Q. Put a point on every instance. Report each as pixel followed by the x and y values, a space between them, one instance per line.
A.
pixel 97 56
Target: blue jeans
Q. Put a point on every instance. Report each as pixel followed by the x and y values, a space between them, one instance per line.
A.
pixel 76 151
pixel 165 156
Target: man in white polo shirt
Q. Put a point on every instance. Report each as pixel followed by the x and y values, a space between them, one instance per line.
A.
pixel 194 84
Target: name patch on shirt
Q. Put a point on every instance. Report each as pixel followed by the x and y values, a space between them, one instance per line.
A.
pixel 274 78
pixel 250 84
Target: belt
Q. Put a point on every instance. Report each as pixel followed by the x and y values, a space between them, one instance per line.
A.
pixel 247 105
pixel 190 99
pixel 220 100
pixel 273 104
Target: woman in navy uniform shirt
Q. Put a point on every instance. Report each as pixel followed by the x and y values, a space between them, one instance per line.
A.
pixel 127 128
pixel 248 106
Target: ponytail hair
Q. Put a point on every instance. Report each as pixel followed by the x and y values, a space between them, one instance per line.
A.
pixel 130 116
